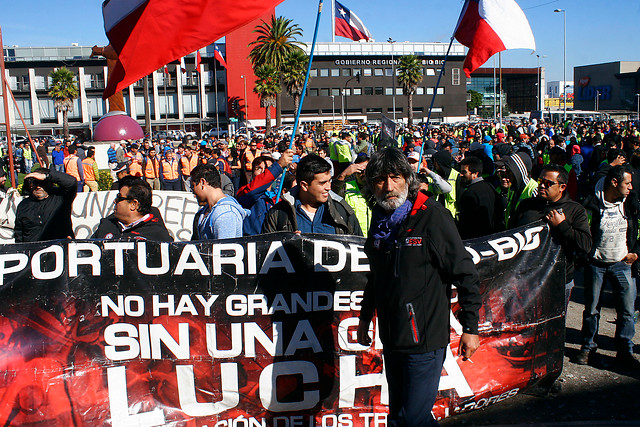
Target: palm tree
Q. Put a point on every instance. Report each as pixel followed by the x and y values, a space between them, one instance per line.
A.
pixel 409 76
pixel 64 89
pixel 267 87
pixel 275 43
pixel 293 75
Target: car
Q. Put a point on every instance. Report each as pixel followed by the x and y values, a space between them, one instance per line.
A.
pixel 216 133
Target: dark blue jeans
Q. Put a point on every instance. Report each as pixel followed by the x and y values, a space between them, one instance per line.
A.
pixel 413 385
pixel 624 294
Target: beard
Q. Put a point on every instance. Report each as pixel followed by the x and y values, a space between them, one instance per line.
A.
pixel 388 204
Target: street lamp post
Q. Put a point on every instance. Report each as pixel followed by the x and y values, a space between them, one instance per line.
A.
pixel 246 104
pixel 564 60
pixel 638 111
pixel 333 110
pixel 540 96
pixel 393 77
pixel 596 99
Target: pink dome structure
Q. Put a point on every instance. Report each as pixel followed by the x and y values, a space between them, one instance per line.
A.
pixel 115 126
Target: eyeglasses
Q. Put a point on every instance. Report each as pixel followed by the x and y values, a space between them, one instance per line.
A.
pixel 547 183
pixel 120 198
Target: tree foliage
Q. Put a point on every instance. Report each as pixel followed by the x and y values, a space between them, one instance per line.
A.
pixel 476 99
pixel 267 86
pixel 409 77
pixel 64 89
pixel 294 74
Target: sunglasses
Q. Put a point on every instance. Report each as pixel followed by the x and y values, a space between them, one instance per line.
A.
pixel 120 198
pixel 546 183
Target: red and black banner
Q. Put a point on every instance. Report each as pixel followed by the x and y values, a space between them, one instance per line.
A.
pixel 253 332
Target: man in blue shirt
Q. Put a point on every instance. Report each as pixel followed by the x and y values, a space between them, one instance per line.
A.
pixel 57 156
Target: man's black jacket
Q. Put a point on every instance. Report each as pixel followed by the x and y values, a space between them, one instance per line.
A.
pixel 410 284
pixel 151 228
pixel 573 234
pixel 48 219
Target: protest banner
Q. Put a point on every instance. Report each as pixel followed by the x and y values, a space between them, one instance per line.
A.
pixel 177 209
pixel 250 332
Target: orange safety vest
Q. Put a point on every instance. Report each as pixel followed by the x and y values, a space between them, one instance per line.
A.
pixel 187 164
pixel 87 167
pixel 135 168
pixel 151 169
pixel 71 166
pixel 170 171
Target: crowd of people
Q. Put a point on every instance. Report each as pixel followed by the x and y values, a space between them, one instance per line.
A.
pixel 580 177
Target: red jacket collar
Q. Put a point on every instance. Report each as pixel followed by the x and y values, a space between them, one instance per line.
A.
pixel 419 204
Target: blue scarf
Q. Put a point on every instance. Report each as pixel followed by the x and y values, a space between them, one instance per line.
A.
pixel 385 227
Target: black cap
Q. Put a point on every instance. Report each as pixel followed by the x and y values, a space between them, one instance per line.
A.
pixel 122 166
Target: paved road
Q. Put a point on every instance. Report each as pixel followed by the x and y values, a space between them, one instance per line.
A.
pixel 594 395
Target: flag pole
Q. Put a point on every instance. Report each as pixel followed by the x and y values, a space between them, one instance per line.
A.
pixel 215 89
pixel 304 90
pixel 435 92
pixel 333 21
pixel 5 99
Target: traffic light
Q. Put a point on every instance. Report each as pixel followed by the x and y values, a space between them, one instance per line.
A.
pixel 358 77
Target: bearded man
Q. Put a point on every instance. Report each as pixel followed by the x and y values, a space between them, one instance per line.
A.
pixel 415 254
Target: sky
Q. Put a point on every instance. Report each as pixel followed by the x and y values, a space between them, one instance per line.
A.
pixel 597 30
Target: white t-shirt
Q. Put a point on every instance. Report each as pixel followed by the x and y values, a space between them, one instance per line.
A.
pixel 612 245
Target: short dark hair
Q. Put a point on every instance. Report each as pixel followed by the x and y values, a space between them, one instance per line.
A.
pixel 260 159
pixel 309 166
pixel 617 173
pixel 613 154
pixel 473 163
pixel 72 149
pixel 563 175
pixel 139 190
pixel 91 151
pixel 208 172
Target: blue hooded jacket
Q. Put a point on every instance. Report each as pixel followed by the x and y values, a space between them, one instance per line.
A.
pixel 223 221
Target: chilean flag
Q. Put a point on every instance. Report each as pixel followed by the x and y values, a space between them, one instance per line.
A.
pixel 219 57
pixel 198 60
pixel 487 27
pixel 147 34
pixel 349 25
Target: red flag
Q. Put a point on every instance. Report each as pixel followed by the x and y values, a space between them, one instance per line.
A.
pixel 147 34
pixel 219 57
pixel 490 26
pixel 183 67
pixel 198 61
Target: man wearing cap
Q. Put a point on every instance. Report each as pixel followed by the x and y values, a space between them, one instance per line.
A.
pixel 57 158
pixel 121 170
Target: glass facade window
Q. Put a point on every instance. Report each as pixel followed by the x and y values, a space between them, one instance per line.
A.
pixel 335 91
pixel 430 72
pixel 368 91
pixel 346 72
pixel 324 72
pixel 420 90
pixel 378 72
pixel 324 91
pixel 455 76
pixel 313 92
pixel 357 91
pixel 388 72
pixel 388 91
pixel 367 72
pixel 313 72
pixel 378 91
pixel 399 91
pixel 347 92
pixel 335 72
pixel 357 71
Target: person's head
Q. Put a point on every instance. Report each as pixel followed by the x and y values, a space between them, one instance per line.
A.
pixel 362 159
pixel 91 152
pixel 363 136
pixel 261 164
pixel 557 156
pixel 72 149
pixel 204 179
pixel 414 160
pixel 390 179
pixel 152 152
pixel 322 152
pixel 3 177
pixel 169 155
pixel 35 188
pixel 58 147
pixel 617 183
pixel 470 169
pixel 313 175
pixel 552 182
pixel 616 156
pixel 133 200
